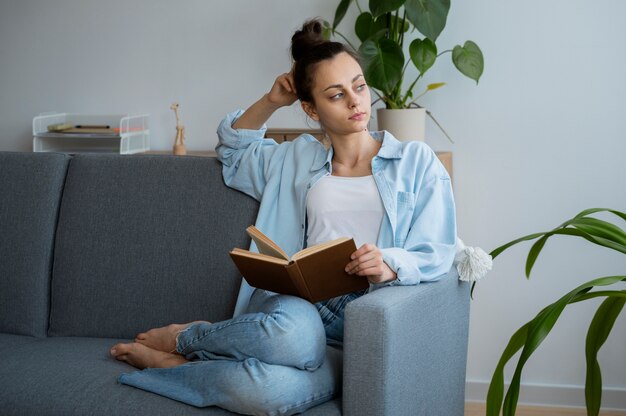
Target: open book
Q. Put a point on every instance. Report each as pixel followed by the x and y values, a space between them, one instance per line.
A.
pixel 315 273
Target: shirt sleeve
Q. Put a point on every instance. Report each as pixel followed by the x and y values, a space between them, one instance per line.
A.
pixel 428 250
pixel 245 156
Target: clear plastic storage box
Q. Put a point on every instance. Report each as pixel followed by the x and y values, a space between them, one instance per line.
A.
pixel 127 134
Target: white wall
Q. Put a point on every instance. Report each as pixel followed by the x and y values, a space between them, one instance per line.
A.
pixel 537 141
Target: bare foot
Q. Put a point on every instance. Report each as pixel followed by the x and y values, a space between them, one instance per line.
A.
pixel 164 338
pixel 140 356
pixel 161 339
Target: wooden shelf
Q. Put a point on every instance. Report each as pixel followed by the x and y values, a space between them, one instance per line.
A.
pixel 281 135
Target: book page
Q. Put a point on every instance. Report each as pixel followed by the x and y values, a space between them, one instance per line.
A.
pixel 260 256
pixel 265 272
pixel 318 247
pixel 265 245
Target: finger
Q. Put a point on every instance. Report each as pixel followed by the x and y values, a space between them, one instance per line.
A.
pixel 368 265
pixel 291 82
pixel 284 83
pixel 372 273
pixel 370 256
pixel 365 248
pixel 363 263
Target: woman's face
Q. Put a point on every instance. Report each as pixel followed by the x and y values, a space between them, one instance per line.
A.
pixel 342 102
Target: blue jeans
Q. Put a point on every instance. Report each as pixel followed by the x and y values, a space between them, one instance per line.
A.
pixel 272 360
pixel 332 312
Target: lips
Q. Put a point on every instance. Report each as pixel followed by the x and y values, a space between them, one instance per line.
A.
pixel 358 116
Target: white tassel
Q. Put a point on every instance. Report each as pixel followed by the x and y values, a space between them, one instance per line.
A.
pixel 472 263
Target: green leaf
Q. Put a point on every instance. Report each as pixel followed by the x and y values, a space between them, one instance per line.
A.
pixel 610 244
pixel 363 26
pixel 435 85
pixel 503 247
pixel 495 394
pixel 383 61
pixel 366 26
pixel 596 240
pixel 469 60
pixel 594 210
pixel 599 331
pixel 601 293
pixel 327 31
pixel 423 54
pixel 428 16
pixel 380 7
pixel 538 329
pixel 600 228
pixel 534 252
pixel 530 337
pixel 566 231
pixel 342 8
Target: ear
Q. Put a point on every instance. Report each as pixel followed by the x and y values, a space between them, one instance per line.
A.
pixel 310 111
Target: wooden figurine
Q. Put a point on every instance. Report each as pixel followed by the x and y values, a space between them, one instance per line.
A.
pixel 179 141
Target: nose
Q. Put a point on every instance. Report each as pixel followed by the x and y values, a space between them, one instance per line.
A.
pixel 353 100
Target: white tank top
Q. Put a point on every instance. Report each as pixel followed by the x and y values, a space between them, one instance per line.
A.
pixel 339 206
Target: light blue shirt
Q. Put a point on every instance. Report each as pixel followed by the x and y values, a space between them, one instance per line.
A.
pixel 418 233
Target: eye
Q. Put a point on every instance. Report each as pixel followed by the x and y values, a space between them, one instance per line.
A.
pixel 337 96
pixel 361 87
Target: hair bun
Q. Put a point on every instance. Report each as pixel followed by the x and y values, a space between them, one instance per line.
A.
pixel 308 37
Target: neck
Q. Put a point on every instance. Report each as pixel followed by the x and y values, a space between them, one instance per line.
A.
pixel 354 152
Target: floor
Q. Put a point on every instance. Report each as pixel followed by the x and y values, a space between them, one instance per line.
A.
pixel 478 409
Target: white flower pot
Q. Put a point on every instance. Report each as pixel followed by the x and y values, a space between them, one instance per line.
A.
pixel 405 124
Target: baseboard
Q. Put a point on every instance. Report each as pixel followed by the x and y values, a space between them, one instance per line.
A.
pixel 550 395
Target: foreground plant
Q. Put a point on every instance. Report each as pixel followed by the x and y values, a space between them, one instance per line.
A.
pixel 529 336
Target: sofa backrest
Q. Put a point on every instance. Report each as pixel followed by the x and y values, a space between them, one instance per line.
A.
pixel 143 241
pixel 31 185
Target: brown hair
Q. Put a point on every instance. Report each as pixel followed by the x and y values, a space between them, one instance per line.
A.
pixel 309 48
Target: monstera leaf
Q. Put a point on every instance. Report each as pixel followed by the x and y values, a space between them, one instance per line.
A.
pixel 428 16
pixel 341 12
pixel 423 54
pixel 382 63
pixel 380 7
pixel 468 59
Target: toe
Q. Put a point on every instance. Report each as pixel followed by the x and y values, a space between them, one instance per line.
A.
pixel 119 349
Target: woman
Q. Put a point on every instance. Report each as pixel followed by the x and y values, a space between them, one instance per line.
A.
pixel 393 198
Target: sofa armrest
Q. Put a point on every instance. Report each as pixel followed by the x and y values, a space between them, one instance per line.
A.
pixel 405 350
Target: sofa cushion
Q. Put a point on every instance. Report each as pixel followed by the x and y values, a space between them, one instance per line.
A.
pixel 12 344
pixel 76 376
pixel 143 241
pixel 31 185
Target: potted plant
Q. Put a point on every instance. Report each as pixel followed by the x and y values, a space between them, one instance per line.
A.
pixel 529 336
pixel 383 31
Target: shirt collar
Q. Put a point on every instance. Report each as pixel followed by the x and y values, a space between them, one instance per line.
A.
pixel 322 158
pixel 391 149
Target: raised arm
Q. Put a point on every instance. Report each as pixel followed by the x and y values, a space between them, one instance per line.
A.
pixel 244 154
pixel 282 94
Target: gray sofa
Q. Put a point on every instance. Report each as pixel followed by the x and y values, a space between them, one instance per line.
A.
pixel 96 248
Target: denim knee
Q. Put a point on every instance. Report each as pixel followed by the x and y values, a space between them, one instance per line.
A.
pixel 277 329
pixel 302 337
pixel 278 391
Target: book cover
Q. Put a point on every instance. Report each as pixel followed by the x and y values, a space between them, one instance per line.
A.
pixel 315 273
